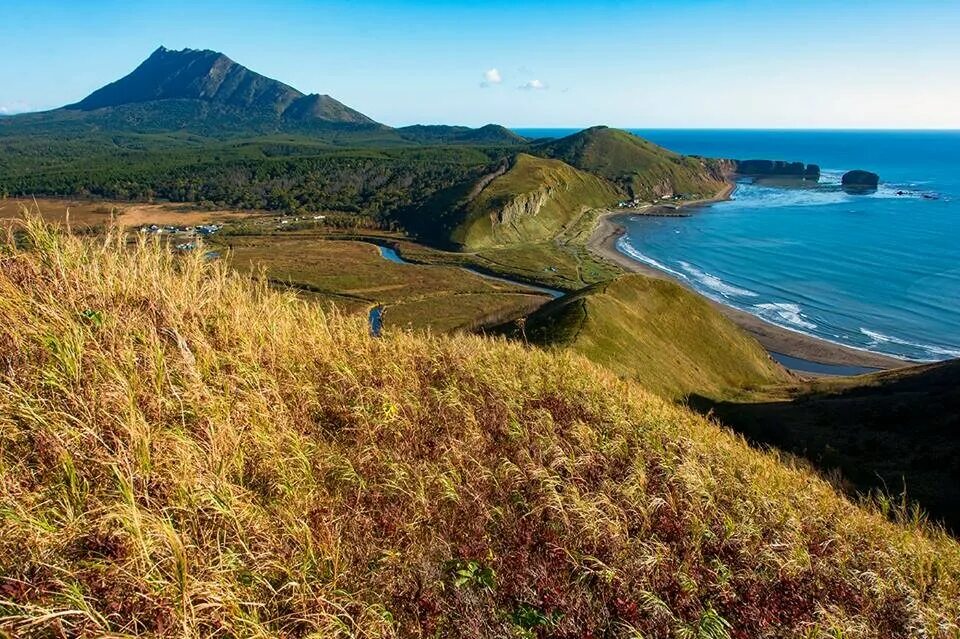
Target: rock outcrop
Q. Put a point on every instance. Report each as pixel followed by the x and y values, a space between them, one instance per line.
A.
pixel 777 168
pixel 859 180
pixel 525 205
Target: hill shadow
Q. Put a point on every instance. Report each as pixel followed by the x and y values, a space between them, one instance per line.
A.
pixel 892 431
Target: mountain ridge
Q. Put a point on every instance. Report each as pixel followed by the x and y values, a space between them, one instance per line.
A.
pixel 637 166
pixel 211 76
pixel 204 92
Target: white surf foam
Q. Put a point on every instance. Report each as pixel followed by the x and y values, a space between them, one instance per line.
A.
pixel 788 315
pixel 625 247
pixel 759 195
pixel 832 178
pixel 778 312
pixel 937 352
pixel 714 283
pixel 827 191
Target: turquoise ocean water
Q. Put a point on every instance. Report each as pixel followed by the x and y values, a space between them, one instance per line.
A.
pixel 879 272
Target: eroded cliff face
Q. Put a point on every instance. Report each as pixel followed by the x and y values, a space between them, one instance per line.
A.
pixel 524 205
pixel 663 188
pixel 721 169
pixel 533 201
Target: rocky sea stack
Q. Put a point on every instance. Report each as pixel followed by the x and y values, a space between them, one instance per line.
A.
pixel 859 181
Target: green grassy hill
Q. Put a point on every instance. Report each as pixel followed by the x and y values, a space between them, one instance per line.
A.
pixel 186 453
pixel 533 201
pixel 639 167
pixel 657 332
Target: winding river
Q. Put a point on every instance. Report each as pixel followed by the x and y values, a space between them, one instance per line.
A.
pixel 390 254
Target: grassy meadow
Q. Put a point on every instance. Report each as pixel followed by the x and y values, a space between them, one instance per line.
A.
pixel 560 264
pixel 187 452
pixel 354 276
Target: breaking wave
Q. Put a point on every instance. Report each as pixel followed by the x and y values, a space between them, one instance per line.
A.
pixel 628 249
pixel 781 312
pixel 935 352
pixel 714 283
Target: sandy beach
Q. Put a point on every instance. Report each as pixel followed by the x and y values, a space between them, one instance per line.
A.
pixel 774 338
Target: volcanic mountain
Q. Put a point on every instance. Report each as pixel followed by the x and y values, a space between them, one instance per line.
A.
pixel 210 76
pixel 204 92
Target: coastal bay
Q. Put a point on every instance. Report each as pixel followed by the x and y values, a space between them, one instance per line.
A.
pixel 874 270
pixel 776 339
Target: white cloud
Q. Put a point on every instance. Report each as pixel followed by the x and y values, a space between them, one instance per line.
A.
pixel 11 108
pixel 533 85
pixel 491 77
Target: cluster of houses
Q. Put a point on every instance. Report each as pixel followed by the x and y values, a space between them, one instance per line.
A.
pixel 282 221
pixel 202 230
pixel 637 202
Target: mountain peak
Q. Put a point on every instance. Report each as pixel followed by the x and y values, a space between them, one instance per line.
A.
pixel 186 55
pixel 192 74
pixel 211 77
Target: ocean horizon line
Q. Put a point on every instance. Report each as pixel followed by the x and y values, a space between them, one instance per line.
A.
pixel 732 129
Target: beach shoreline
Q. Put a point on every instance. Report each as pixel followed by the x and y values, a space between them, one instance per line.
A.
pixel 775 339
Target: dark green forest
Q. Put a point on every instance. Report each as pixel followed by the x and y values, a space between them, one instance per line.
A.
pixel 281 173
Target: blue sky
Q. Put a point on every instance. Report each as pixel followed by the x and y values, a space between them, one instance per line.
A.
pixel 687 63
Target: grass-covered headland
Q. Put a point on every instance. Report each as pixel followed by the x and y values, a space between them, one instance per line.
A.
pixel 184 452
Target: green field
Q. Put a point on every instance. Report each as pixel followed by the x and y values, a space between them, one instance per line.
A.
pixel 562 265
pixel 355 277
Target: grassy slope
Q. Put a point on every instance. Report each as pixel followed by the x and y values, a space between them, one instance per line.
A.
pixel 657 332
pixel 640 167
pixel 182 454
pixel 532 202
pixel 891 431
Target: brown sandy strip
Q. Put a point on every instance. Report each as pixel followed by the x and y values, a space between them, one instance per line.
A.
pixel 774 338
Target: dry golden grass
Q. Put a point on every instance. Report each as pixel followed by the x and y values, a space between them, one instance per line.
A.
pixel 186 453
